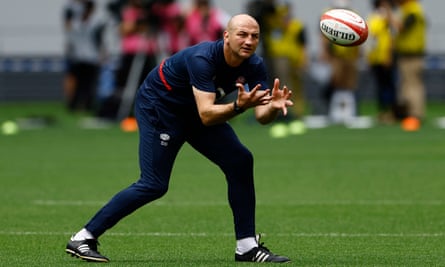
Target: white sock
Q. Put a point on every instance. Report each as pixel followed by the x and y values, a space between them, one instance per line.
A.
pixel 82 235
pixel 246 244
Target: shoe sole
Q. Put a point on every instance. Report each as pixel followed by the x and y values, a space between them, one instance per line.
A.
pixel 90 259
pixel 289 261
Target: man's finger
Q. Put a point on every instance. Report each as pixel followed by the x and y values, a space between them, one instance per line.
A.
pixel 284 110
pixel 276 84
pixel 240 86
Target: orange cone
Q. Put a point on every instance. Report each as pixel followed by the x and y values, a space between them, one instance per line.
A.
pixel 129 125
pixel 410 124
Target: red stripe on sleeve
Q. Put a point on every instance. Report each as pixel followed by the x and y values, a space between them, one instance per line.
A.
pixel 161 74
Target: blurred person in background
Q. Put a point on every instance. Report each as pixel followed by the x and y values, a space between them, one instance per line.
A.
pixel 72 11
pixel 341 90
pixel 286 39
pixel 380 57
pixel 138 30
pixel 410 46
pixel 263 11
pixel 173 35
pixel 139 48
pixel 205 22
pixel 85 40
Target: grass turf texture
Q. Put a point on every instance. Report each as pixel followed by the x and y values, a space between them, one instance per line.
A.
pixel 330 197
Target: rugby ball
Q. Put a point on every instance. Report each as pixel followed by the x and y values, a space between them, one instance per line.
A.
pixel 344 27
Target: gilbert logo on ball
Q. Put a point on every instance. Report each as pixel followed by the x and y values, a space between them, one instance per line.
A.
pixel 344 27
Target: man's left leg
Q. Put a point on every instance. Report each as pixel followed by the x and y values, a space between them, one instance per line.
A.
pixel 220 144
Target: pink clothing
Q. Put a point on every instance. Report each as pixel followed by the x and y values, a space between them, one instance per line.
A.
pixel 201 29
pixel 137 42
pixel 172 25
pixel 167 14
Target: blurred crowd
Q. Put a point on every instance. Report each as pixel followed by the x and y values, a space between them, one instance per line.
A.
pixel 109 57
pixel 395 53
pixel 98 75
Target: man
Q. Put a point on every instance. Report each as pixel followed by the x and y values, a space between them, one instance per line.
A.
pixel 85 38
pixel 205 22
pixel 380 57
pixel 341 91
pixel 176 104
pixel 286 47
pixel 410 48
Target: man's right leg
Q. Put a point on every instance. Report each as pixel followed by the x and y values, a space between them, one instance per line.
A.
pixel 156 157
pixel 121 205
pixel 84 244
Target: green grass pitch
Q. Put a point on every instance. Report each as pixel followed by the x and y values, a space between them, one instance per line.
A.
pixel 330 197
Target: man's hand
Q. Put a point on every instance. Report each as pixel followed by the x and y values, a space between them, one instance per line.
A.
pixel 252 98
pixel 279 101
pixel 281 97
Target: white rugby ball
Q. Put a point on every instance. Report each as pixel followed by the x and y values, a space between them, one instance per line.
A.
pixel 344 27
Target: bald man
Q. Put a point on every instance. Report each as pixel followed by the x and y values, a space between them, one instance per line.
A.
pixel 179 102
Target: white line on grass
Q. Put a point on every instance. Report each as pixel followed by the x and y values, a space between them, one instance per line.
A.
pixel 222 203
pixel 167 234
pixel 364 234
pixel 67 203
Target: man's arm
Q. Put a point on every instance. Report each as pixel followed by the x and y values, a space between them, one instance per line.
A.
pixel 267 106
pixel 212 113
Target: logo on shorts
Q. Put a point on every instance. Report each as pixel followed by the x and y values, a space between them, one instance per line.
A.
pixel 164 139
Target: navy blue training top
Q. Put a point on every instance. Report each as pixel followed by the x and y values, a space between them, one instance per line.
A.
pixel 203 66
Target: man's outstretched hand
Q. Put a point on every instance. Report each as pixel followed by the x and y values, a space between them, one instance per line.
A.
pixel 281 97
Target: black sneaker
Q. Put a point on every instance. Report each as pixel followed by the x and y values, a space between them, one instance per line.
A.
pixel 86 250
pixel 260 254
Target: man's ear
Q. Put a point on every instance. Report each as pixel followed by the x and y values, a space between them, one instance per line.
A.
pixel 226 35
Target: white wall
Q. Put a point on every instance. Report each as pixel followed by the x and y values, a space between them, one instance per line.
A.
pixel 30 27
pixel 33 27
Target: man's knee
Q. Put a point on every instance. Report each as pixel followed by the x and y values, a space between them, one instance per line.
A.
pixel 238 164
pixel 151 190
pixel 244 158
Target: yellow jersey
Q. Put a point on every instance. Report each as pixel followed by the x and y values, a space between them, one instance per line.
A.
pixel 379 44
pixel 411 40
